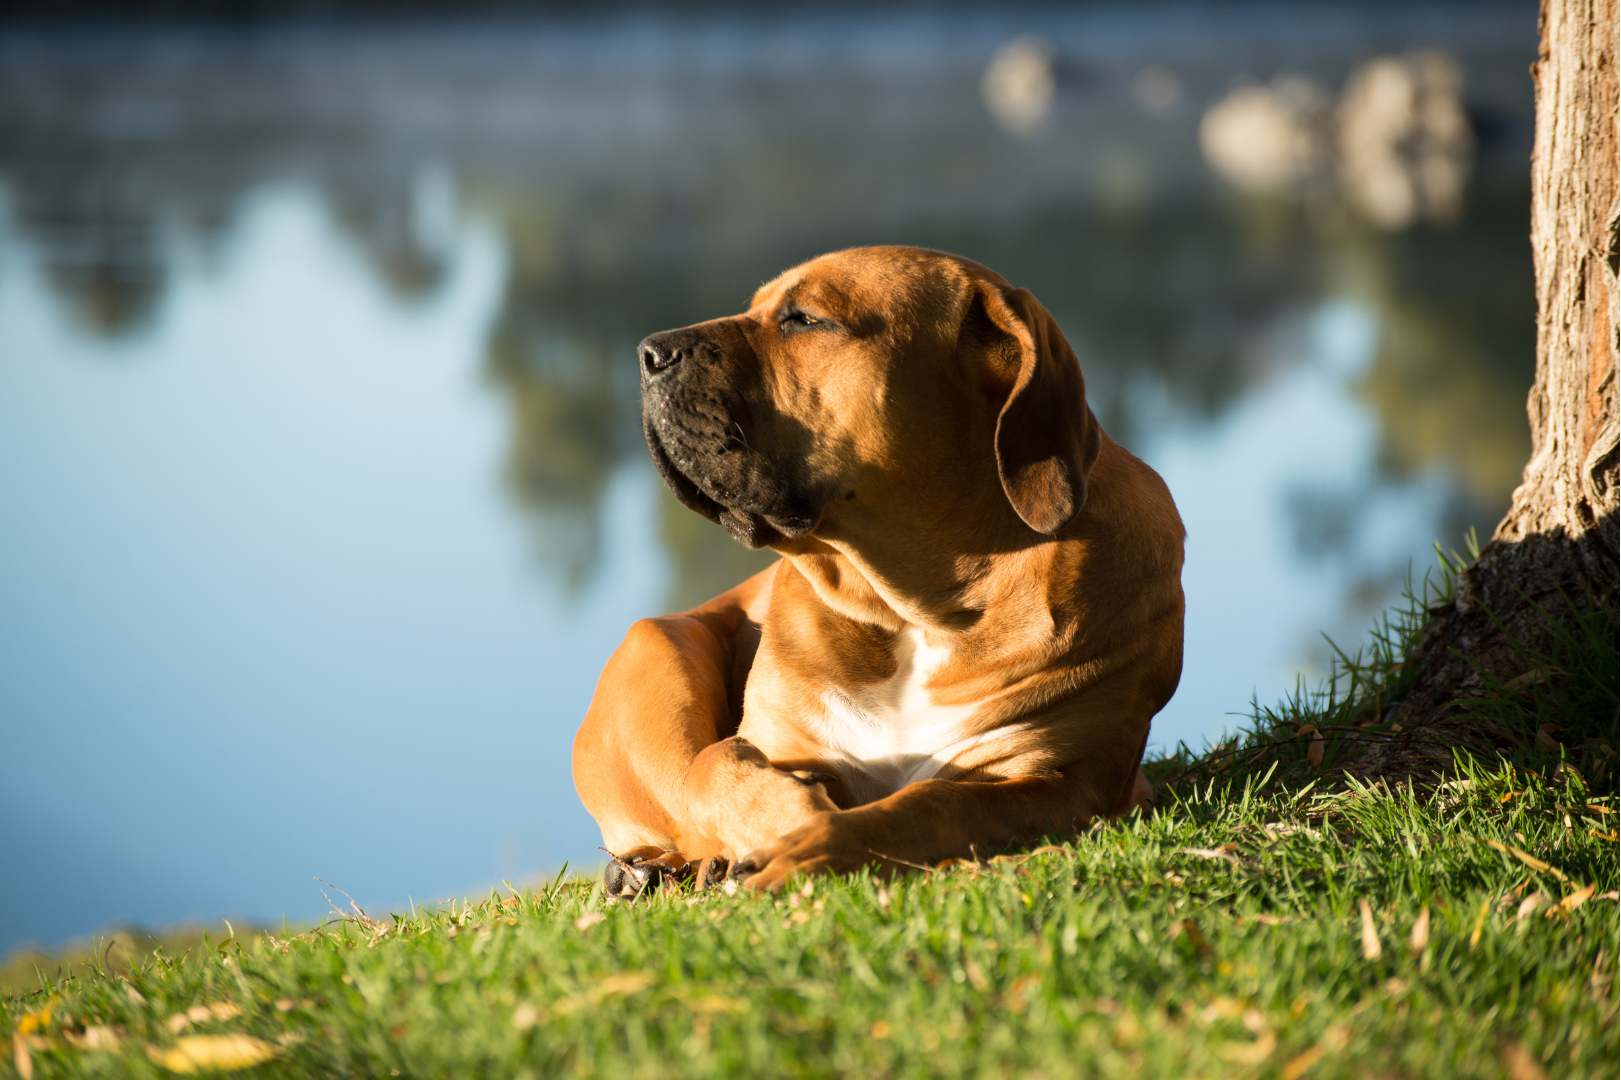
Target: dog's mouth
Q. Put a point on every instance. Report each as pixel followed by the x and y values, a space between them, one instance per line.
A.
pixel 748 522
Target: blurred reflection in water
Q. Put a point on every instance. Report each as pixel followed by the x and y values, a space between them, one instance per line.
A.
pixel 262 597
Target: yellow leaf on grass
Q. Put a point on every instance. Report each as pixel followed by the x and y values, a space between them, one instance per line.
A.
pixel 1421 932
pixel 1530 860
pixel 1249 1053
pixel 1370 936
pixel 1480 923
pixel 95 1037
pixel 21 1057
pixel 1314 752
pixel 1194 933
pixel 223 1053
pixel 1296 1068
pixel 717 1003
pixel 588 920
pixel 38 1020
pixel 624 983
pixel 1521 1065
pixel 1577 898
pixel 1528 907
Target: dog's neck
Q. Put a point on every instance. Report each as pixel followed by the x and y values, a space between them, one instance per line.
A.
pixel 957 599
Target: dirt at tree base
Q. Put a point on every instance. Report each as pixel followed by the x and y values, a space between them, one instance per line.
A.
pixel 1557 545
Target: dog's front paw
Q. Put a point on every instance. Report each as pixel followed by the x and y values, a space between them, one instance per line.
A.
pixel 825 844
pixel 642 870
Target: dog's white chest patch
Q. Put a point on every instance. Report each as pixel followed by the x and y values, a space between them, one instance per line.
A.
pixel 892 731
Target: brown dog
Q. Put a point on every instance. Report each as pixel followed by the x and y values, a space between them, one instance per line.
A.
pixel 977 612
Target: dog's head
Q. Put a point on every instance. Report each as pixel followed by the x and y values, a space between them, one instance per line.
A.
pixel 889 379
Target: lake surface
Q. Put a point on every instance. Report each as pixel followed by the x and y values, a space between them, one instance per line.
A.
pixel 322 492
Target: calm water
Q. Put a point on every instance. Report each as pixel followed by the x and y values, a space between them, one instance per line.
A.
pixel 322 492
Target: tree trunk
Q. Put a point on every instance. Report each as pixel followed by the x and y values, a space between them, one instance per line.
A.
pixel 1561 531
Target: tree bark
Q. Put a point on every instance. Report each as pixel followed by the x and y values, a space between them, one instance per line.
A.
pixel 1561 531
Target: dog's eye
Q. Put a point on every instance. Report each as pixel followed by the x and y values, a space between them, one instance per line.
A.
pixel 797 320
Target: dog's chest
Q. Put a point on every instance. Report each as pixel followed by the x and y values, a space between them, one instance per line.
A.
pixel 891 732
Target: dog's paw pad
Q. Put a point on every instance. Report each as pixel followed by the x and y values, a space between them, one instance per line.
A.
pixel 642 870
pixel 712 871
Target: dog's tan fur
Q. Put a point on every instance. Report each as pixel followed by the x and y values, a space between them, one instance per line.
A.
pixel 968 634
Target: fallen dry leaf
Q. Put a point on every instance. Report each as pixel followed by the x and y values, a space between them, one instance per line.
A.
pixel 1249 1053
pixel 526 1016
pixel 1190 927
pixel 1298 1065
pixel 1370 936
pixel 1528 907
pixel 1220 1008
pixel 1420 936
pixel 1527 678
pixel 95 1037
pixel 588 920
pixel 712 1004
pixel 1577 898
pixel 624 983
pixel 20 1056
pixel 1530 860
pixel 39 1019
pixel 1314 752
pixel 1480 923
pixel 1223 852
pixel 620 984
pixel 1520 1064
pixel 223 1053
pixel 1277 829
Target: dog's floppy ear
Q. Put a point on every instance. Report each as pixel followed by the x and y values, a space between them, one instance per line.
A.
pixel 1046 437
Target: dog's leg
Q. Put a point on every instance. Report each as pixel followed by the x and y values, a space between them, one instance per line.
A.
pixel 673 688
pixel 736 796
pixel 938 819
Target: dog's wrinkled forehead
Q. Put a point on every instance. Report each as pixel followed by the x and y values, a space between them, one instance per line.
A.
pixel 873 290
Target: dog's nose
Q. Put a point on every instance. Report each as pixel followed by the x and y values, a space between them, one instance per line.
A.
pixel 659 354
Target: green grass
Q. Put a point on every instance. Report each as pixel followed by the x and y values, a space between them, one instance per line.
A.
pixel 1262 921
pixel 1561 714
pixel 1219 935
